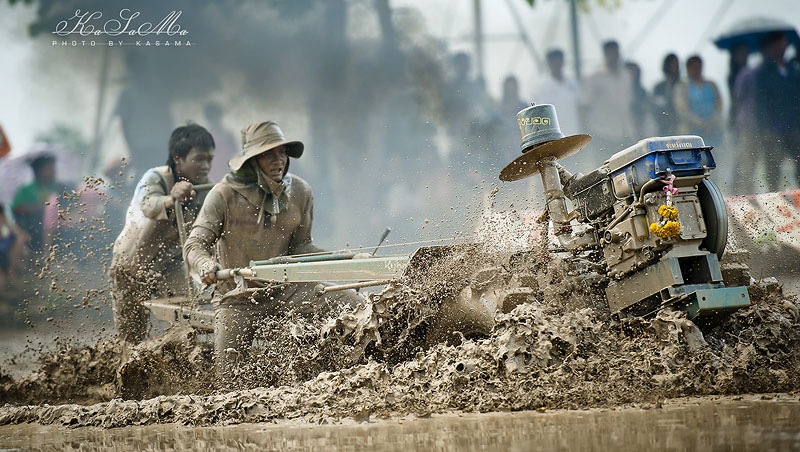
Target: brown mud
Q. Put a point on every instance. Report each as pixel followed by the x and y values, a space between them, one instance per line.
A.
pixel 561 349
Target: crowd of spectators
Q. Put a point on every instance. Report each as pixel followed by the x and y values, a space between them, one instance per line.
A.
pixel 613 106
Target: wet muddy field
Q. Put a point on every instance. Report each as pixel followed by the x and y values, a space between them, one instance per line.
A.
pixel 386 363
pixel 764 422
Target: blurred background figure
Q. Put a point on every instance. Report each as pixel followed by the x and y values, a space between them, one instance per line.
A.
pixel 564 93
pixel 466 107
pixel 663 100
pixel 227 144
pixel 739 55
pixel 606 105
pixel 767 99
pixel 144 112
pixel 508 132
pixel 777 102
pixel 699 104
pixel 12 243
pixel 641 105
pixel 561 91
pixel 29 201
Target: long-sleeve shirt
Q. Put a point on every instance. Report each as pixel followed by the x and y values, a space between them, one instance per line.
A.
pixel 149 242
pixel 251 221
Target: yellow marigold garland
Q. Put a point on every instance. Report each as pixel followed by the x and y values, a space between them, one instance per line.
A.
pixel 670 228
pixel 668 212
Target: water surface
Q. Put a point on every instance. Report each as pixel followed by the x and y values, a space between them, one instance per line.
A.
pixel 704 424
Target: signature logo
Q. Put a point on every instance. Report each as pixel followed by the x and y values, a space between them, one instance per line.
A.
pixel 88 24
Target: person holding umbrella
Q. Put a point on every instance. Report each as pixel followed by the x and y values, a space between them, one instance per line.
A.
pixel 768 97
pixel 777 95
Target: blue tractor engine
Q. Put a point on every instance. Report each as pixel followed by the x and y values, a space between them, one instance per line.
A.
pixel 661 224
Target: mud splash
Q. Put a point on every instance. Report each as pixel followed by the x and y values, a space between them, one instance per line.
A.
pixel 538 356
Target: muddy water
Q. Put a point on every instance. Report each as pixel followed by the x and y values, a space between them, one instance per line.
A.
pixel 742 423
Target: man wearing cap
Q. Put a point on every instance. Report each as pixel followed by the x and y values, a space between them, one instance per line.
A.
pixel 147 257
pixel 258 211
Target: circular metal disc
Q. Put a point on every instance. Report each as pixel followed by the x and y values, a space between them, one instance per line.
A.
pixel 712 203
pixel 525 165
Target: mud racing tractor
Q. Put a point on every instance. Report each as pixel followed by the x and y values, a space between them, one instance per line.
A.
pixel 649 221
pixel 650 215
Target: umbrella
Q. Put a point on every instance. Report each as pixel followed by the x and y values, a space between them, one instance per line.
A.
pixel 750 31
pixel 15 168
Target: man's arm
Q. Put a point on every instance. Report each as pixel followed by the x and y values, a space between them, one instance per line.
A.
pixel 153 196
pixel 206 230
pixel 156 203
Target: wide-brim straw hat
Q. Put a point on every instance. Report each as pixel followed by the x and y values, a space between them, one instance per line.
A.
pixel 260 137
pixel 541 138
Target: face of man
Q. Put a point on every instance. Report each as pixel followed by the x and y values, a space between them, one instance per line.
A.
pixel 673 67
pixel 195 166
pixel 273 163
pixel 695 70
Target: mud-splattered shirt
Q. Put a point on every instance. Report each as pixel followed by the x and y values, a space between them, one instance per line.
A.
pixel 251 221
pixel 149 242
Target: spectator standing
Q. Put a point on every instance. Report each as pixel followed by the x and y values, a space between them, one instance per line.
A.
pixel 465 104
pixel 29 202
pixel 663 100
pixel 699 104
pixel 746 131
pixel 738 63
pixel 507 110
pixel 777 107
pixel 12 242
pixel 562 92
pixel 640 105
pixel 606 106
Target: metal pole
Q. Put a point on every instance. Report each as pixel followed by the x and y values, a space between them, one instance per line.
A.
pixel 380 242
pixel 576 42
pixel 322 289
pixel 476 6
pixel 182 238
pixel 179 222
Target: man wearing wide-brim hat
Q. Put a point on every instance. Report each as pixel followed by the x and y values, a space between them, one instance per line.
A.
pixel 258 211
